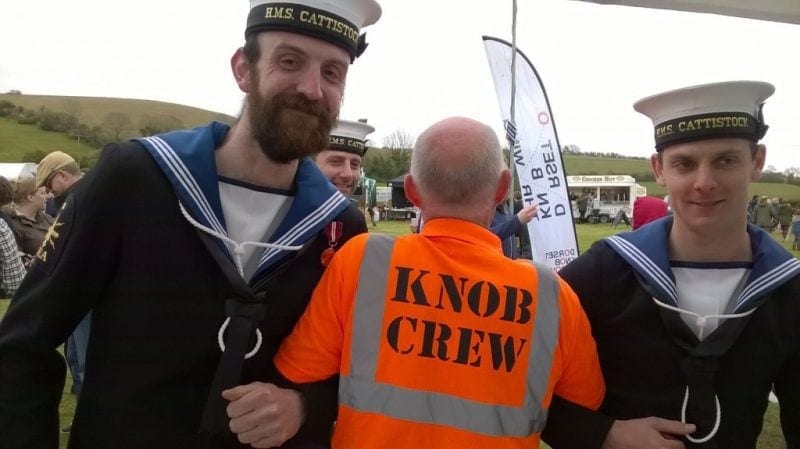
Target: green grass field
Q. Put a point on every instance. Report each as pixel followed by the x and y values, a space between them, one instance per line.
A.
pixel 16 140
pixel 771 437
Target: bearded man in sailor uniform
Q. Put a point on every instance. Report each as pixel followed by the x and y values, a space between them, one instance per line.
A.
pixel 695 315
pixel 196 251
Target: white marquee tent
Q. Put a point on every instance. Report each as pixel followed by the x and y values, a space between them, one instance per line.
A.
pixel 773 10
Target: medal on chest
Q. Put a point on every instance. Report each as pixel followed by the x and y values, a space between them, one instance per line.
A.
pixel 333 231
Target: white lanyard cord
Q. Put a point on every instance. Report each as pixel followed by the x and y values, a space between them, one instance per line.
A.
pixel 701 320
pixel 238 249
pixel 716 422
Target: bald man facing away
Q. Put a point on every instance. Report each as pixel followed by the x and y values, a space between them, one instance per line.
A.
pixel 440 340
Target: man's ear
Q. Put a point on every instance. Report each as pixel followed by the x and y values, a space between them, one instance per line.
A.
pixel 241 70
pixel 758 162
pixel 501 193
pixel 658 168
pixel 411 190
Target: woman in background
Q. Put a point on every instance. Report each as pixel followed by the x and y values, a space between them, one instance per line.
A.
pixel 27 219
pixel 11 269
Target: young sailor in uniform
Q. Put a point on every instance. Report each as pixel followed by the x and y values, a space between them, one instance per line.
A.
pixel 696 314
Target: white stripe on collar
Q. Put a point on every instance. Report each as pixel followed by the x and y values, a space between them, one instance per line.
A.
pixel 776 276
pixel 755 289
pixel 307 223
pixel 184 176
pixel 647 265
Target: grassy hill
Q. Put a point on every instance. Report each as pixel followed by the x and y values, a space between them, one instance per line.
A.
pixel 92 110
pixel 584 165
pixel 28 143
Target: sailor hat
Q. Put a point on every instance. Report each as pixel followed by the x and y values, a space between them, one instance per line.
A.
pixel 707 111
pixel 336 21
pixel 350 137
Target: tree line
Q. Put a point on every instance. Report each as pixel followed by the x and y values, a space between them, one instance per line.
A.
pixel 392 160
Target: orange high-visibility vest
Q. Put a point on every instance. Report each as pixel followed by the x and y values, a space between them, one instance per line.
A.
pixel 441 352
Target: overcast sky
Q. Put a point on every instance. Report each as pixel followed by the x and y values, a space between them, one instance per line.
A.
pixel 425 61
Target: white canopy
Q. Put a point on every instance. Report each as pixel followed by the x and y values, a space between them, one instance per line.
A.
pixel 774 10
pixel 14 170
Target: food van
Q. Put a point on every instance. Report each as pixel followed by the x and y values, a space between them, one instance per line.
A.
pixel 615 193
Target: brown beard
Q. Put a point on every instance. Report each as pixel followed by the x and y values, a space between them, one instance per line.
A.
pixel 288 126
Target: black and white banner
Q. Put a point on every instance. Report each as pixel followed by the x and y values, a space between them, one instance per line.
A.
pixel 536 154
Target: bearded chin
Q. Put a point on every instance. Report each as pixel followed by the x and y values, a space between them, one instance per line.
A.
pixel 286 133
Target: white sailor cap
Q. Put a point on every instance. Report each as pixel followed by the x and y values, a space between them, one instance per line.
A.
pixel 336 21
pixel 350 137
pixel 707 111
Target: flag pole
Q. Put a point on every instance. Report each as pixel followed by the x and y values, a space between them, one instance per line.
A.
pixel 512 136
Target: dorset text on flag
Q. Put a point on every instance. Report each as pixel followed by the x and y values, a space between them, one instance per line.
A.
pixel 536 156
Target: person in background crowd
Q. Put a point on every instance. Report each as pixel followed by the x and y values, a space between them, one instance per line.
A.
pixel 196 251
pixel 507 226
pixel 525 251
pixel 763 216
pixel 371 210
pixel 751 209
pixel 647 209
pixel 416 222
pixel 774 205
pixel 12 271
pixel 341 161
pixel 784 217
pixel 475 371
pixel 27 219
pixel 595 204
pixel 573 202
pixel 583 206
pixel 6 198
pixel 58 173
pixel 796 229
pixel 695 315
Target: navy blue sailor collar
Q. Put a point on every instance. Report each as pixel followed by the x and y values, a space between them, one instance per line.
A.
pixel 186 158
pixel 645 250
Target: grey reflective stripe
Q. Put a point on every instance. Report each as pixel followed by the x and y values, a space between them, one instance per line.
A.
pixel 361 392
pixel 368 310
pixel 543 343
